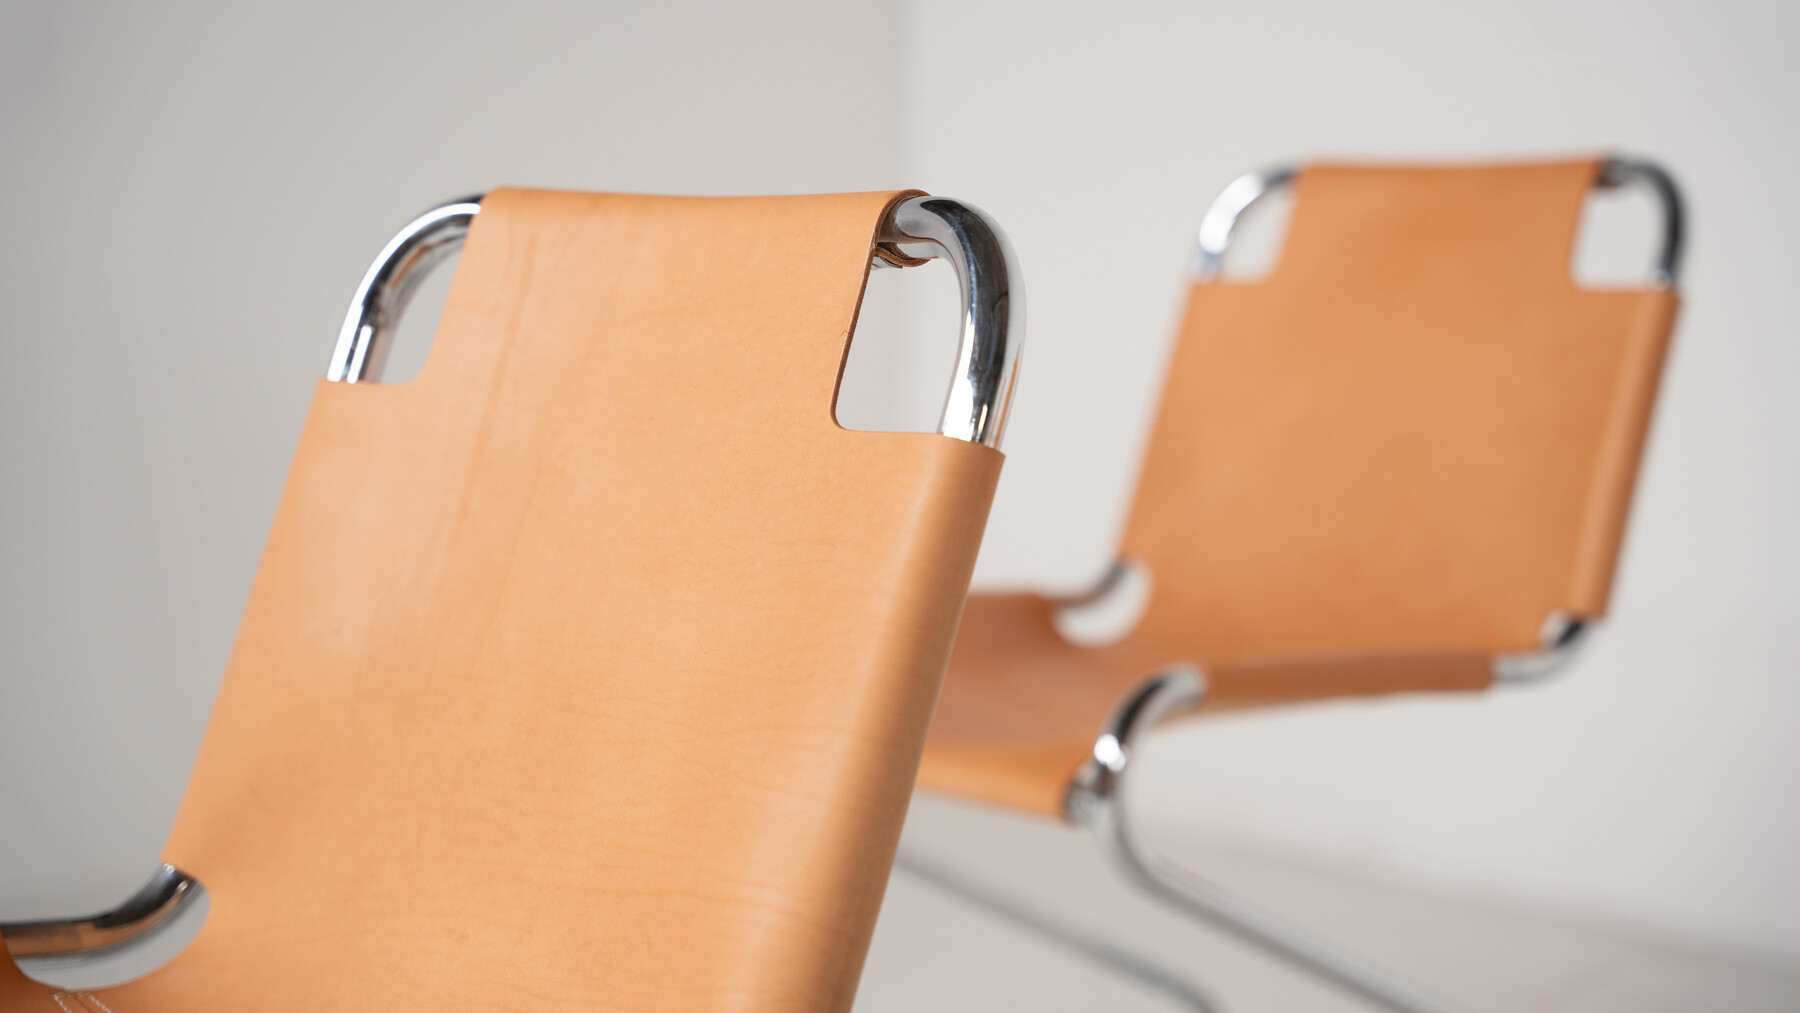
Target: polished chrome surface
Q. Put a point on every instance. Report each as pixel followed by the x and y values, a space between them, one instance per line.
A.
pixel 993 321
pixel 115 946
pixel 1116 574
pixel 388 285
pixel 160 898
pixel 1108 612
pixel 1626 171
pixel 1563 636
pixel 126 961
pixel 1096 784
pixel 1220 220
pixel 1096 801
pixel 1056 929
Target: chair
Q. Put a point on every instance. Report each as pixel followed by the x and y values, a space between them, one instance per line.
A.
pixel 1401 463
pixel 590 669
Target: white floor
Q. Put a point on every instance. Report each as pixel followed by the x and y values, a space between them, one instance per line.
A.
pixel 933 951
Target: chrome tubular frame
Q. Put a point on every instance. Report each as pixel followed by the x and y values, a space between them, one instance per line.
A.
pixel 993 328
pixel 168 903
pixel 1221 218
pixel 1626 171
pixel 993 298
pixel 388 285
pixel 1108 583
pixel 1563 635
pixel 920 228
pixel 1096 800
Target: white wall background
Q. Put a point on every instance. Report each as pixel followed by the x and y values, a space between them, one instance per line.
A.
pixel 190 194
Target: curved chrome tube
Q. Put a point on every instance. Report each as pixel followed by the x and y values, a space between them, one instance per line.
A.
pixel 993 321
pixel 388 285
pixel 82 946
pixel 1109 582
pixel 1563 637
pixel 1563 634
pixel 1623 171
pixel 1096 801
pixel 1221 218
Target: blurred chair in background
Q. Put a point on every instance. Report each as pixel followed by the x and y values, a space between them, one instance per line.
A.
pixel 1400 463
pixel 591 667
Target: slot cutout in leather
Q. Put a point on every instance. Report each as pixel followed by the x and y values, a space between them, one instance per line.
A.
pixel 915 230
pixel 1617 241
pixel 416 329
pixel 1258 238
pixel 1112 610
pixel 902 350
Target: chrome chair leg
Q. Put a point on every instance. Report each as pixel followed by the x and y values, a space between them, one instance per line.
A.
pixel 1096 801
pixel 1049 927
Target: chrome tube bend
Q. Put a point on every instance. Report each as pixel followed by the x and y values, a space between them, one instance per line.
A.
pixel 1096 800
pixel 920 228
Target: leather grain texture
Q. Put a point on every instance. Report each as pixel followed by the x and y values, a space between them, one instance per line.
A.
pixel 1371 471
pixel 589 670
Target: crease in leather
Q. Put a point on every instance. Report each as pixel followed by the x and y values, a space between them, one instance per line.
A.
pixel 590 669
pixel 1371 471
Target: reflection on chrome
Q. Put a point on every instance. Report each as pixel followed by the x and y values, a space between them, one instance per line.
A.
pixel 1221 219
pixel 993 320
pixel 1097 800
pixel 115 946
pixel 388 285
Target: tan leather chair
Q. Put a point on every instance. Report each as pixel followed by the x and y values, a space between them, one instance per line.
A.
pixel 1401 463
pixel 590 669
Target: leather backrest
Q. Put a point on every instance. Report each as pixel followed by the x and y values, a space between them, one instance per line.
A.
pixel 590 669
pixel 1417 433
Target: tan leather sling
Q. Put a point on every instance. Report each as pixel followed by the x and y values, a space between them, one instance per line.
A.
pixel 590 669
pixel 1373 472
